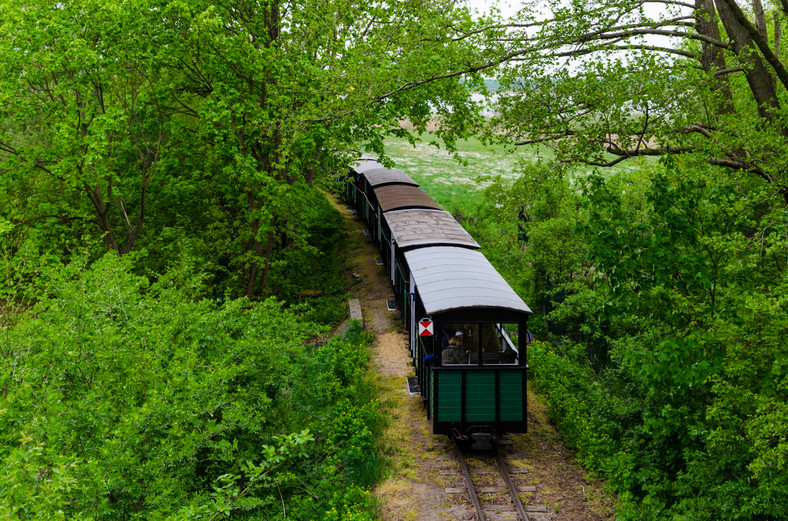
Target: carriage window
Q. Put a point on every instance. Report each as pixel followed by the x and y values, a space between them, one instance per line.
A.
pixel 464 343
pixel 461 346
pixel 497 346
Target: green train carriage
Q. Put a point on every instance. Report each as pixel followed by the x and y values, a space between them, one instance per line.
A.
pixel 472 370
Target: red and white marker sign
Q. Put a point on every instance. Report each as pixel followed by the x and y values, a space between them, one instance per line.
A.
pixel 425 327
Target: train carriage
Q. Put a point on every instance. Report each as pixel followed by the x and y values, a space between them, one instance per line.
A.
pixel 391 198
pixel 404 230
pixel 368 177
pixel 355 186
pixel 472 369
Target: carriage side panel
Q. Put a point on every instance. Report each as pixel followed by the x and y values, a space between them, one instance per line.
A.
pixel 448 396
pixel 480 396
pixel 511 393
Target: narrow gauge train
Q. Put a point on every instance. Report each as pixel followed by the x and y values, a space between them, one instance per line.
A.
pixel 471 370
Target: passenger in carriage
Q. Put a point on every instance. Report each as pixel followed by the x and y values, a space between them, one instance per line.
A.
pixel 491 343
pixel 456 352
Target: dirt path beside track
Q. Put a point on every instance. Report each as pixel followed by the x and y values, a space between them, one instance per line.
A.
pixel 415 488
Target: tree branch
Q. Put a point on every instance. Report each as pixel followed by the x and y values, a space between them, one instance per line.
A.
pixel 666 50
pixel 662 32
pixel 728 71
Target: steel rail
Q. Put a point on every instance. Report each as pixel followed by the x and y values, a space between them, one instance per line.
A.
pixel 512 489
pixel 504 471
pixel 466 474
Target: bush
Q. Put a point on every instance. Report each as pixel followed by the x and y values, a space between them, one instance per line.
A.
pixel 127 399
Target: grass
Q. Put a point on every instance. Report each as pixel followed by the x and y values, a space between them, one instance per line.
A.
pixel 456 185
pixel 449 182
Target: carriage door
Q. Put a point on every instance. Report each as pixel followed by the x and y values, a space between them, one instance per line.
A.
pixel 393 263
pixel 414 334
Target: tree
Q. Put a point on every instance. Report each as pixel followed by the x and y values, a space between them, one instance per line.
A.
pixel 282 90
pixel 243 104
pixel 688 252
pixel 85 132
pixel 603 83
pixel 123 397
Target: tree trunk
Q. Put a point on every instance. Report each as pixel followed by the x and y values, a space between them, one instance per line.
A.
pixel 759 79
pixel 254 244
pixel 760 17
pixel 102 217
pixel 269 250
pixel 706 25
pixel 251 282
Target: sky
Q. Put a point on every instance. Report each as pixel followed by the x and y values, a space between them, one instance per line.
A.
pixel 510 7
pixel 507 7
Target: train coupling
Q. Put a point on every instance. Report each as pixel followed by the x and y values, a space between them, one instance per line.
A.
pixel 480 437
pixel 482 440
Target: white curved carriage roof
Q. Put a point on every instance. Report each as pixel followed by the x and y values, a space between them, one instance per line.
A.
pixel 385 176
pixel 420 227
pixel 449 277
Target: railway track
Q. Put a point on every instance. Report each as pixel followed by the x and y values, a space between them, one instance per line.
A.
pixel 493 488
